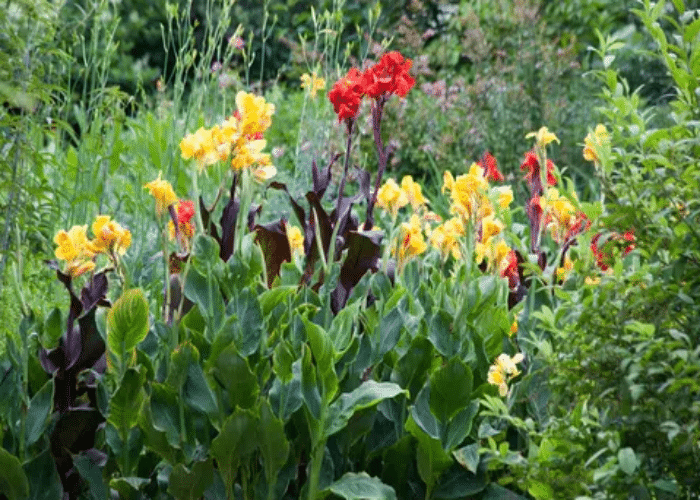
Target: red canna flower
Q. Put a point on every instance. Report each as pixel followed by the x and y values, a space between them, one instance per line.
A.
pixel 510 271
pixel 346 95
pixel 531 164
pixel 604 253
pixel 388 76
pixel 490 166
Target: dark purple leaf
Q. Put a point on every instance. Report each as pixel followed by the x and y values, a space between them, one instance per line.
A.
pixel 273 240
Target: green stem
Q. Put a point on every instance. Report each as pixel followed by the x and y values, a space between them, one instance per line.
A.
pixel 318 449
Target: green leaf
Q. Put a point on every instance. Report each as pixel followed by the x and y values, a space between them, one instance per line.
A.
pixel 362 487
pixel 236 441
pixel 411 371
pixel 125 405
pixel 44 482
pixel 450 389
pixel 341 330
pixel 233 373
pixel 38 412
pixel 320 344
pixel 92 473
pixel 248 327
pixel 366 395
pixel 282 360
pixel 204 291
pixel 13 480
pixel 628 460
pixel 457 483
pixel 272 441
pixel 309 388
pixel 432 459
pixel 165 412
pixel 184 484
pixel 540 490
pixel 127 322
pixel 460 426
pixel 128 488
pixel 181 358
pixel 390 332
pixel 442 336
pixel 468 457
pixel 197 393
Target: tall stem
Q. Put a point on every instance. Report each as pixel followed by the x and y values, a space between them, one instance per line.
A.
pixel 341 189
pixel 377 110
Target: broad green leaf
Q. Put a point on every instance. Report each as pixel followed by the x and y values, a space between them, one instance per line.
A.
pixel 468 457
pixel 497 492
pixel 362 487
pixel 628 460
pixel 127 322
pixel 44 483
pixel 366 395
pixel 389 331
pixel 272 441
pixel 320 344
pixel 341 330
pixel 412 368
pixel 13 480
pixel 432 459
pixel 236 441
pixel 309 388
pixel 460 426
pixel 156 440
pixel 92 473
pixel 422 416
pixel 128 488
pixel 272 298
pixel 540 490
pixel 38 412
pixel 282 360
pixel 457 483
pixel 204 291
pixel 181 358
pixel 442 334
pixel 125 405
pixel 197 393
pixel 165 412
pixel 248 327
pixel 286 398
pixel 450 389
pixel 184 484
pixel 233 373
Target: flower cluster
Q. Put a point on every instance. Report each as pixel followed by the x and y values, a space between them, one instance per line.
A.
pixel 184 211
pixel 561 217
pixel 391 197
pixel 503 371
pixel 164 194
pixel 238 139
pixel 604 252
pixel 313 83
pixel 80 253
pixel 389 76
pixel 596 144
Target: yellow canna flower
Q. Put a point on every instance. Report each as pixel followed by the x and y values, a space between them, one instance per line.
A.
pixel 391 197
pixel 249 154
pixel 255 114
pixel 73 247
pixel 412 242
pixel 504 195
pixel 163 192
pixel 448 181
pixel 595 143
pixel 543 137
pixel 110 236
pixel 296 240
pixel 201 146
pixel 513 328
pixel 413 192
pixel 490 227
pixel 564 271
pixel 503 371
pixel 263 173
pixel 72 244
pixel 313 83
